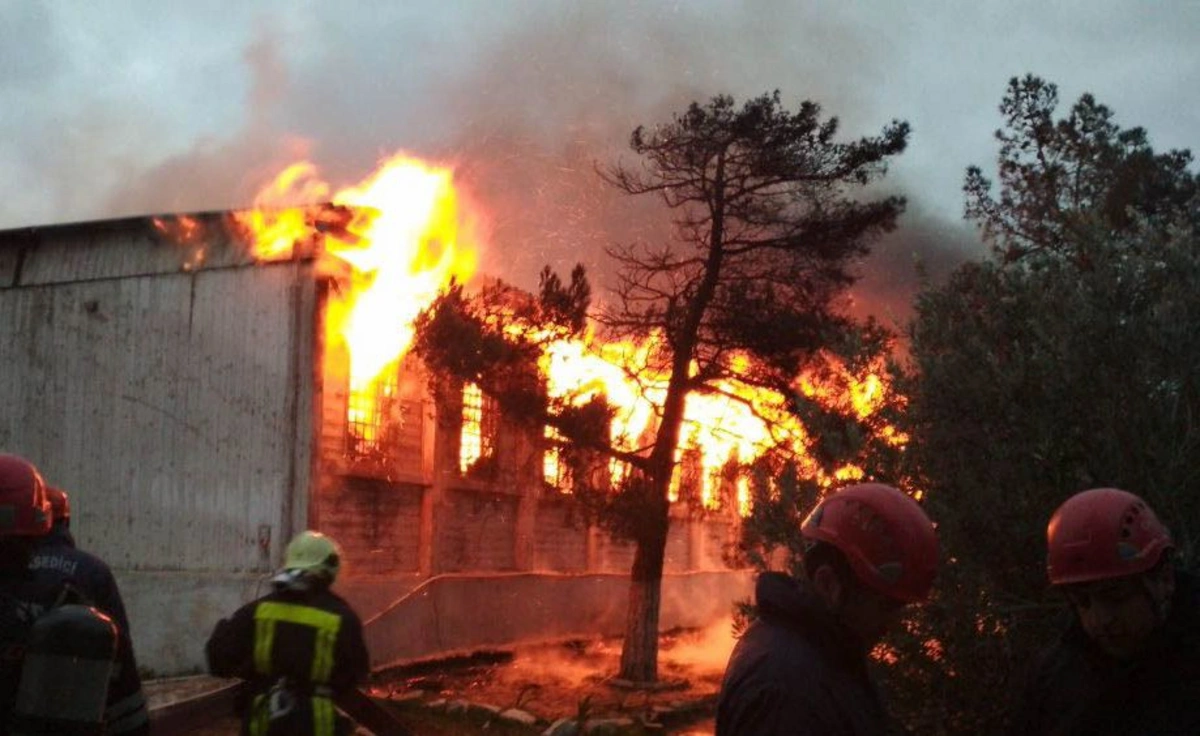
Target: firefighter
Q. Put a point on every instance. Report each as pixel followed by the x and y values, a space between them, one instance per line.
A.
pixel 57 561
pixel 60 508
pixel 801 665
pixel 28 599
pixel 1129 662
pixel 24 518
pixel 300 647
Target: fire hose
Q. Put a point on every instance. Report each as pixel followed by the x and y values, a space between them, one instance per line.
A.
pixel 189 715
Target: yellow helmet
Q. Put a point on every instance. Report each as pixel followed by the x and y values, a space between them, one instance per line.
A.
pixel 313 553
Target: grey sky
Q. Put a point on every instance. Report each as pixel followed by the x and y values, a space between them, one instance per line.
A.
pixel 122 107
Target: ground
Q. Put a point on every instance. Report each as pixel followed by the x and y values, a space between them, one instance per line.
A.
pixel 552 681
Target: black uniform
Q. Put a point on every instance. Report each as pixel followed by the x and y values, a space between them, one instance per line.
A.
pixel 56 562
pixel 1076 688
pixel 299 651
pixel 797 671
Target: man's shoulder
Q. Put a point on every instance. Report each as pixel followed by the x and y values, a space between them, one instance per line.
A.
pixel 772 651
pixel 341 605
pixel 69 563
pixel 62 555
pixel 325 600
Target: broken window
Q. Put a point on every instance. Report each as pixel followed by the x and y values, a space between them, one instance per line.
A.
pixel 477 453
pixel 374 417
pixel 555 470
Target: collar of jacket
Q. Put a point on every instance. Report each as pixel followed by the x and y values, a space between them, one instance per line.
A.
pixel 793 602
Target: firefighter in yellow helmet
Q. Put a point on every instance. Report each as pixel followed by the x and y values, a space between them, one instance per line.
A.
pixel 300 646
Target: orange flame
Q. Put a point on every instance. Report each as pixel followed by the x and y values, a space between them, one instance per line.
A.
pixel 402 234
pixel 396 238
pixel 724 428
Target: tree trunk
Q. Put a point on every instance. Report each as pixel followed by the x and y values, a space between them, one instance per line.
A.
pixel 639 654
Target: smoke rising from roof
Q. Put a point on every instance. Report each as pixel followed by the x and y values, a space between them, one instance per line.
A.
pixel 523 101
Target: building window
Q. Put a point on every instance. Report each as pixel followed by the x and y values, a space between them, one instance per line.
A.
pixel 373 418
pixel 477 454
pixel 555 469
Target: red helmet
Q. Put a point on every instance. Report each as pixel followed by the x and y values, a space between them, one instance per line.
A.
pixel 884 534
pixel 60 503
pixel 1103 533
pixel 24 507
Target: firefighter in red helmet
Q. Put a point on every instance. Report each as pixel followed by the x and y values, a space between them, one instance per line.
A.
pixel 45 621
pixel 800 667
pixel 24 519
pixel 57 561
pixel 1129 663
pixel 60 510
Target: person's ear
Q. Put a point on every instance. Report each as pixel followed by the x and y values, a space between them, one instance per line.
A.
pixel 828 585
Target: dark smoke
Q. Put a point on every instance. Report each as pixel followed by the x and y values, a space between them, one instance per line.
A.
pixel 223 174
pixel 524 103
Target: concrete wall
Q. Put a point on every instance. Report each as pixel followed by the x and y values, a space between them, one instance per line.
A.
pixel 462 612
pixel 171 614
pixel 167 389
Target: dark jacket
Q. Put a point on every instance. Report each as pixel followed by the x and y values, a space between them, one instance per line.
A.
pixel 797 671
pixel 54 562
pixel 1075 688
pixel 286 652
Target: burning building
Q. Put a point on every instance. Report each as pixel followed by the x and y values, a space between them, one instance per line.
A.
pixel 207 385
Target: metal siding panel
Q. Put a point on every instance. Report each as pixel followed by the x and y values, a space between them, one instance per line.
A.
pixel 162 404
pixel 10 257
pixel 116 250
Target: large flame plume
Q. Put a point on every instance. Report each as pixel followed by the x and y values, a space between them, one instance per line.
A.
pixel 398 237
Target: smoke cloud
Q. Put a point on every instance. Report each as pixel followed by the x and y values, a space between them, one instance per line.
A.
pixel 524 101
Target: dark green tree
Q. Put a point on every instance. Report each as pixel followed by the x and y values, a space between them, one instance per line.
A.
pixel 1061 179
pixel 767 231
pixel 1068 360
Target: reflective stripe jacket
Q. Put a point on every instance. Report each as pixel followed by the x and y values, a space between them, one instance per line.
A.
pixel 55 562
pixel 312 640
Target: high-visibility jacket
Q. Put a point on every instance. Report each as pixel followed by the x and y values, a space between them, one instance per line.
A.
pixel 299 652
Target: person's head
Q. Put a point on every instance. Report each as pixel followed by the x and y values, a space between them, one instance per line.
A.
pixel 311 561
pixel 25 513
pixel 60 506
pixel 1109 554
pixel 871 550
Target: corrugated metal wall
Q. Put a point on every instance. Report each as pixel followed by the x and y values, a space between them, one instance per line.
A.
pixel 165 402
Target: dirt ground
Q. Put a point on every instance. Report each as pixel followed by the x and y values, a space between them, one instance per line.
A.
pixel 550 681
pixel 558 680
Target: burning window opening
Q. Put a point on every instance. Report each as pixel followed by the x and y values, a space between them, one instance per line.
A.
pixel 555 469
pixel 373 419
pixel 477 449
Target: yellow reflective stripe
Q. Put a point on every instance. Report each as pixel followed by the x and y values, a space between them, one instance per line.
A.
pixel 258 716
pixel 322 668
pixel 327 624
pixel 323 719
pixel 264 639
